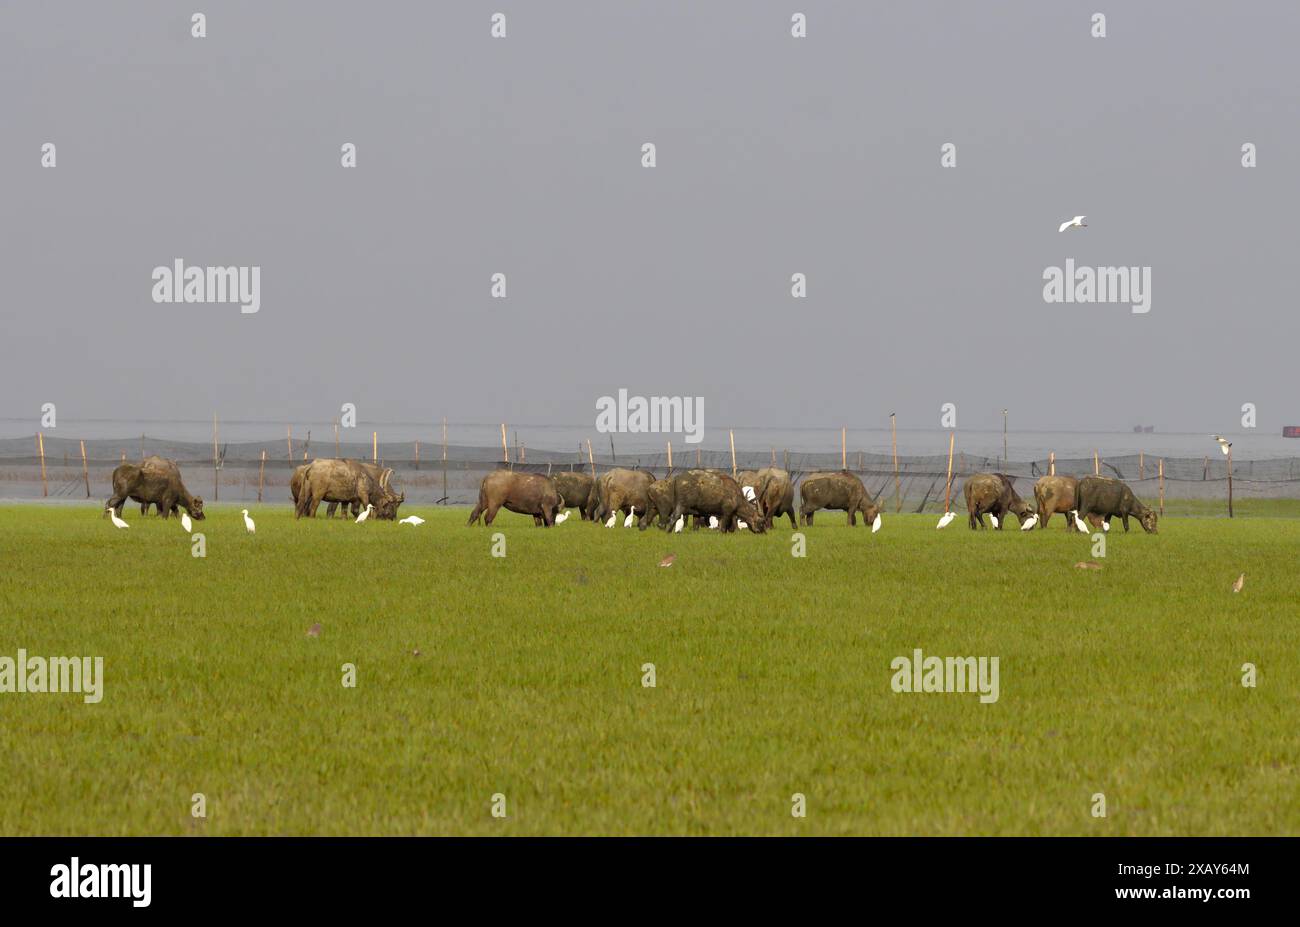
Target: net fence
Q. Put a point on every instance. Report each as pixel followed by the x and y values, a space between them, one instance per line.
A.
pixel 260 470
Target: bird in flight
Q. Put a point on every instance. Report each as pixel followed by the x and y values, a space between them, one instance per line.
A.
pixel 1075 223
pixel 1224 443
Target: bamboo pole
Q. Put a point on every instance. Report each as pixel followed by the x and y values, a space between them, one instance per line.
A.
pixel 444 460
pixel 1142 466
pixel 288 437
pixel 417 455
pixel 523 453
pixel 337 452
pixel 505 452
pixel 306 448
pixel 1230 481
pixel 85 470
pixel 670 457
pixel 40 444
pixel 697 458
pixel 374 447
pixel 216 482
pixel 732 434
pixel 1205 469
pixel 1162 487
pixel 1096 463
pixel 612 456
pixel 785 456
pixel 142 445
pixel 844 447
pixel 591 458
pixel 947 490
pixel 773 457
pixel 261 475
pixel 898 486
pixel 1051 463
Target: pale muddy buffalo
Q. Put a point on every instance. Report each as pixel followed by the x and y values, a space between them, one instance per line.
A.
pixel 993 493
pixel 348 483
pixel 575 491
pixel 702 493
pixel 842 491
pixel 1098 497
pixel 522 493
pixel 621 490
pixel 153 481
pixel 1055 495
pixel 295 487
pixel 776 496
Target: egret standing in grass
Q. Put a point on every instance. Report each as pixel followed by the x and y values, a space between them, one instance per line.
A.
pixel 559 519
pixel 1029 523
pixel 1079 522
pixel 248 524
pixel 875 523
pixel 416 520
pixel 365 513
pixel 609 523
pixel 945 520
pixel 993 518
pixel 681 521
pixel 631 518
pixel 117 522
pixel 713 522
pixel 185 521
pixel 1075 223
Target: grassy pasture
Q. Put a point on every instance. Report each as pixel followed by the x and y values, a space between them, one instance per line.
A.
pixel 773 677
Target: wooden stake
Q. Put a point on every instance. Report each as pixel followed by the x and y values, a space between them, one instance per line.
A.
pixel 505 452
pixel 1162 487
pixel 337 453
pixel 261 473
pixel 374 447
pixel 774 457
pixel 697 458
pixel 523 454
pixel 1229 482
pixel 844 447
pixel 216 482
pixel 947 490
pixel 288 437
pixel 40 443
pixel 444 460
pixel 1142 468
pixel 591 458
pixel 1096 463
pixel 417 455
pixel 732 435
pixel 786 457
pixel 1051 463
pixel 898 486
pixel 85 470
pixel 670 457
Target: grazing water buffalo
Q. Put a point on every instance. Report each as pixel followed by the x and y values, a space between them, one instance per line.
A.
pixel 575 491
pixel 620 490
pixel 660 502
pixel 1055 494
pixel 995 494
pixel 295 486
pixel 776 495
pixel 1104 498
pixel 155 480
pixel 348 482
pixel 842 491
pixel 704 492
pixel 523 493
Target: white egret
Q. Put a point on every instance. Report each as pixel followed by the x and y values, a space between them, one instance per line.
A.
pixel 993 518
pixel 749 493
pixel 681 522
pixel 366 513
pixel 411 520
pixel 248 523
pixel 1075 223
pixel 610 522
pixel 742 524
pixel 559 519
pixel 1224 443
pixel 713 522
pixel 631 518
pixel 1030 522
pixel 1079 522
pixel 875 523
pixel 945 520
pixel 1105 526
pixel 117 522
pixel 185 521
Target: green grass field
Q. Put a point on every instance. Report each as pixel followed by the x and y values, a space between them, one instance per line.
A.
pixel 773 677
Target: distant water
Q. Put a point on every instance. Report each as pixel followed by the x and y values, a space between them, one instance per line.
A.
pixel 1021 445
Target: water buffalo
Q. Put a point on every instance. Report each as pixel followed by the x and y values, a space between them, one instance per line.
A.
pixel 660 502
pixel 1055 494
pixel 347 482
pixel 524 493
pixel 1101 497
pixel 704 492
pixel 155 480
pixel 295 485
pixel 620 490
pixel 995 494
pixel 575 491
pixel 842 491
pixel 776 495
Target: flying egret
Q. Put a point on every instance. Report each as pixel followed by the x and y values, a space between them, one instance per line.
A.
pixel 993 518
pixel 248 523
pixel 875 523
pixel 610 522
pixel 1224 443
pixel 185 521
pixel 631 518
pixel 681 521
pixel 1079 522
pixel 946 520
pixel 366 513
pixel 1030 522
pixel 1075 223
pixel 117 522
pixel 713 522
pixel 559 519
pixel 411 520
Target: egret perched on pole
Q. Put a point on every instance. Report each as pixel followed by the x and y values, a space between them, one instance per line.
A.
pixel 365 513
pixel 1075 223
pixel 185 521
pixel 117 522
pixel 248 523
pixel 1224 443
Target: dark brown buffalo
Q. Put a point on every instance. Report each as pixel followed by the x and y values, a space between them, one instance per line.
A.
pixel 704 492
pixel 347 482
pixel 1055 495
pixel 842 491
pixel 660 502
pixel 776 495
pixel 575 491
pixel 621 490
pixel 157 481
pixel 523 493
pixel 993 493
pixel 1098 497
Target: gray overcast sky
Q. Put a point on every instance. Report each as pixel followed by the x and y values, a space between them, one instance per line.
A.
pixel 776 155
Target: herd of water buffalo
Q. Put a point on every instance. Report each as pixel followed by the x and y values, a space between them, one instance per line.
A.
pixel 751 499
